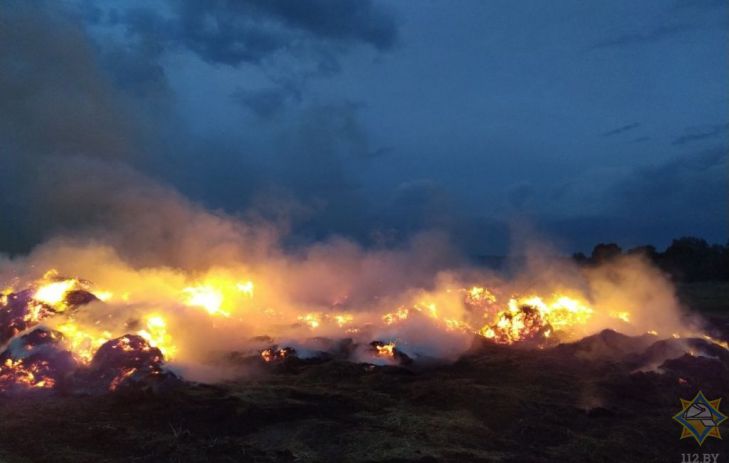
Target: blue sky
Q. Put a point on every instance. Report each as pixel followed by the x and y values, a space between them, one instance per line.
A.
pixel 585 121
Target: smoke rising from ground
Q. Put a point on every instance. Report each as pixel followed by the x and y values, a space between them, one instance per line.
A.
pixel 333 290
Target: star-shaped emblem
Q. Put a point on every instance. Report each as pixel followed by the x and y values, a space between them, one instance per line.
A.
pixel 700 418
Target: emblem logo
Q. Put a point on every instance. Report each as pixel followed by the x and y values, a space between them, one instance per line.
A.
pixel 700 418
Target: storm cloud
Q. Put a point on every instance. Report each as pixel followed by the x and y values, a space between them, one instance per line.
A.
pixel 363 119
pixel 233 32
pixel 694 134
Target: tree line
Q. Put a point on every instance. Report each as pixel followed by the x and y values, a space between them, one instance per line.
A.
pixel 686 259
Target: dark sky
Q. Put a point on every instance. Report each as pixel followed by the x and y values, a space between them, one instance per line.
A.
pixel 580 121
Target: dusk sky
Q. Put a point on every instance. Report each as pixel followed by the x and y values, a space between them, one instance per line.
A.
pixel 582 121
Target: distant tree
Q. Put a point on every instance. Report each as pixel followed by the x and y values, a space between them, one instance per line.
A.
pixel 687 258
pixel 687 245
pixel 604 252
pixel 693 259
pixel 647 250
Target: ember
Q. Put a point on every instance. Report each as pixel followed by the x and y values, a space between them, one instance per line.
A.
pixel 32 374
pixel 389 352
pixel 35 360
pixel 128 358
pixel 384 350
pixel 275 353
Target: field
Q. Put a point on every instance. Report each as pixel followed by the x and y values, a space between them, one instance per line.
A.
pixel 706 297
pixel 578 402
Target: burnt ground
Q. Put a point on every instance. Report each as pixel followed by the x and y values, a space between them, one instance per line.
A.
pixel 580 402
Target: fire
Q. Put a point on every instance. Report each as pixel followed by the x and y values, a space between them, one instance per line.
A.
pixel 313 320
pixel 428 307
pixel 276 353
pixel 718 342
pixel 385 350
pixel 622 315
pixel 4 294
pixel 523 317
pixel 143 317
pixel 207 297
pixel 400 314
pixel 82 342
pixel 479 295
pixel 343 319
pixel 35 313
pixel 156 335
pixel 104 296
pixel 532 317
pixel 246 288
pixel 29 375
pixel 16 372
pixel 219 293
pixel 54 293
pixel 121 377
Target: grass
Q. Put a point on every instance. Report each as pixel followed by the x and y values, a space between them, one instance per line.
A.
pixel 710 297
pixel 495 405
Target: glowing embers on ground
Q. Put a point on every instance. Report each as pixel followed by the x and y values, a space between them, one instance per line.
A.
pixel 389 353
pixel 384 350
pixel 18 373
pixel 276 353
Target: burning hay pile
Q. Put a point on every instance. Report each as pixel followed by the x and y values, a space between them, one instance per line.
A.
pixel 38 357
pixel 66 334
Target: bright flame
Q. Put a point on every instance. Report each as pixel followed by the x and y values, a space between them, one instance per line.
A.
pixel 530 317
pixel 206 297
pixel 121 377
pixel 400 314
pixel 156 335
pixel 54 293
pixel 311 319
pixel 478 295
pixel 385 350
pixel 82 341
pixel 104 296
pixel 622 315
pixel 246 288
pixel 274 353
pixel 343 319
